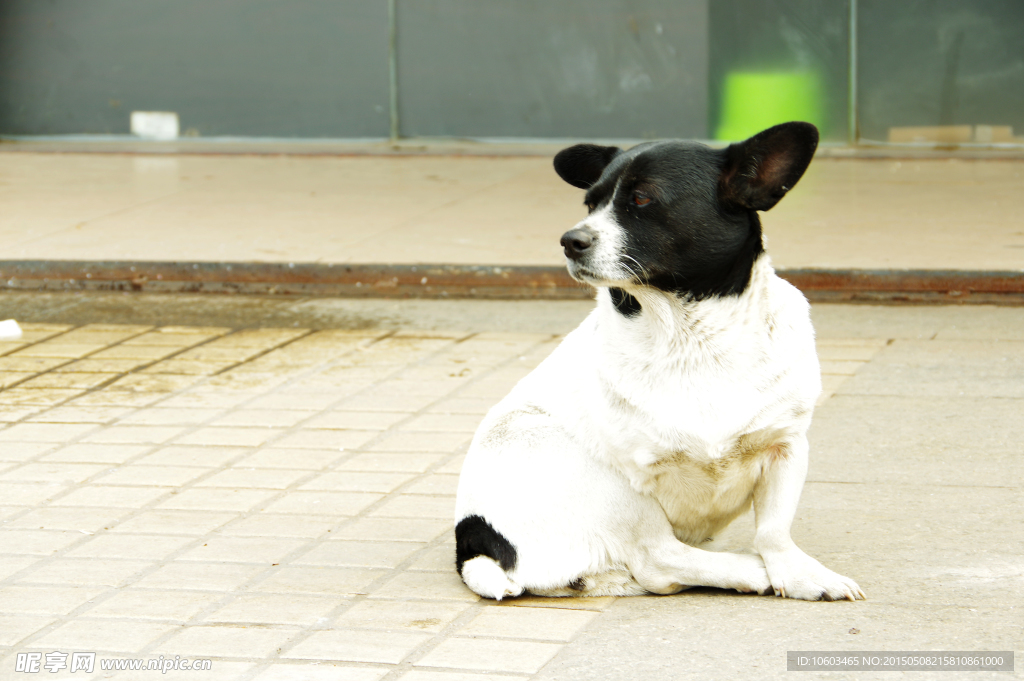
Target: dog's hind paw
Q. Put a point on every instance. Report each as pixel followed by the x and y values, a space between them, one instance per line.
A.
pixel 794 574
pixel 485 577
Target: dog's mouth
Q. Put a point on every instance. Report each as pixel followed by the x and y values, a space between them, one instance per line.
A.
pixel 587 275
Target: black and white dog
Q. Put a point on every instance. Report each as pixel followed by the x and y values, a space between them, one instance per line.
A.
pixel 682 399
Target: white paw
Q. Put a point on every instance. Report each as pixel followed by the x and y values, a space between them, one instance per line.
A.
pixel 794 574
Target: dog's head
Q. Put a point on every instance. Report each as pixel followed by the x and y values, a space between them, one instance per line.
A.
pixel 679 216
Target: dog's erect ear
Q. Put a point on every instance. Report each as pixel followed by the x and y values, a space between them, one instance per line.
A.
pixel 582 165
pixel 759 172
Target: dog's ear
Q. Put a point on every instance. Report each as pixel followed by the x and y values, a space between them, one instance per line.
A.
pixel 759 171
pixel 582 165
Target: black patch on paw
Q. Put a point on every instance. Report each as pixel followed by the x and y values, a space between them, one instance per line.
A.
pixel 474 537
pixel 625 304
pixel 578 584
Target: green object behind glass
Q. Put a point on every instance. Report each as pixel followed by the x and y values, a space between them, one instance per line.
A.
pixel 753 101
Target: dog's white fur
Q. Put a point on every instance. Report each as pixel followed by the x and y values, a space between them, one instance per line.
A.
pixel 639 438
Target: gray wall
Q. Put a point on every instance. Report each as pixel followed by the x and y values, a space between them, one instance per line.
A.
pixel 553 68
pixel 319 68
pixel 295 68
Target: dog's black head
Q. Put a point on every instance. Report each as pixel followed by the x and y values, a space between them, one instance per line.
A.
pixel 679 216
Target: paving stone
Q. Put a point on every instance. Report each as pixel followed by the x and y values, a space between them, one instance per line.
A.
pixel 236 437
pixel 160 476
pixel 306 459
pixel 426 585
pixel 44 432
pixel 322 503
pixel 264 608
pixel 80 415
pixel 111 496
pixel 407 615
pixel 217 499
pixel 392 461
pixel 417 506
pixel 359 554
pixel 417 530
pixel 20 451
pixel 319 580
pixel 67 473
pixel 217 577
pixel 68 518
pixel 84 634
pixel 490 655
pixel 309 438
pixel 164 521
pixel 183 455
pixel 38 542
pixel 265 418
pixel 11 564
pixel 352 481
pixel 48 600
pixel 537 623
pixel 13 628
pixel 321 671
pixel 87 572
pixel 151 547
pixel 357 646
pixel 262 478
pixel 357 420
pixel 170 417
pixel 419 675
pixel 154 604
pixel 280 525
pixel 133 434
pixel 225 641
pixel 242 550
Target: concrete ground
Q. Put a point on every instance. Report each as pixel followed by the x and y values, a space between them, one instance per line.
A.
pixel 177 479
pixel 881 213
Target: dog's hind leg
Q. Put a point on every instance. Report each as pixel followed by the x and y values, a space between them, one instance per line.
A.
pixel 669 566
pixel 483 556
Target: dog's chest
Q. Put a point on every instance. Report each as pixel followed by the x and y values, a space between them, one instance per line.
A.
pixel 712 414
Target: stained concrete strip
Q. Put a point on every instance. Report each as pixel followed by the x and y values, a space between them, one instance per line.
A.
pixel 530 282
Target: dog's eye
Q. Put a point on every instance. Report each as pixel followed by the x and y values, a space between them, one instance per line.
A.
pixel 590 207
pixel 641 200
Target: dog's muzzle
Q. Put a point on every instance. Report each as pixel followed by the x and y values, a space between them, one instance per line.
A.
pixel 578 243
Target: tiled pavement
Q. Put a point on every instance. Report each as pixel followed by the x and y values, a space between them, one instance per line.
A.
pixel 276 500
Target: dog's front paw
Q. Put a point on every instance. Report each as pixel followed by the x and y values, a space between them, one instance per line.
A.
pixel 794 574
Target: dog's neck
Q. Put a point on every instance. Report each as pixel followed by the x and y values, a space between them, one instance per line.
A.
pixel 707 330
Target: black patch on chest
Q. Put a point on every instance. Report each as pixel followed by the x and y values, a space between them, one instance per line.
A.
pixel 625 304
pixel 474 537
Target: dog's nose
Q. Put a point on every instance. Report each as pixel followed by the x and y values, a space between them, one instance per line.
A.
pixel 576 242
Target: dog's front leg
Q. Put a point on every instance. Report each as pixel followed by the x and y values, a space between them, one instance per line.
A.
pixel 792 572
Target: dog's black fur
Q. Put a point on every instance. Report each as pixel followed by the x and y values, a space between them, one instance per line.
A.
pixel 689 212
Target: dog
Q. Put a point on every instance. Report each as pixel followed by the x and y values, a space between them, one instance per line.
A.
pixel 682 400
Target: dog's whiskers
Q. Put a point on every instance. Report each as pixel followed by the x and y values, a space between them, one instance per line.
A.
pixel 642 276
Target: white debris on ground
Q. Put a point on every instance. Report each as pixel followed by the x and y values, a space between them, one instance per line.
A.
pixel 9 330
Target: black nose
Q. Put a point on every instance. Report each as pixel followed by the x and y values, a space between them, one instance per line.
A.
pixel 576 242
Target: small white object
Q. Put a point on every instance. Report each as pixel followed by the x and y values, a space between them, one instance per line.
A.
pixel 155 125
pixel 9 330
